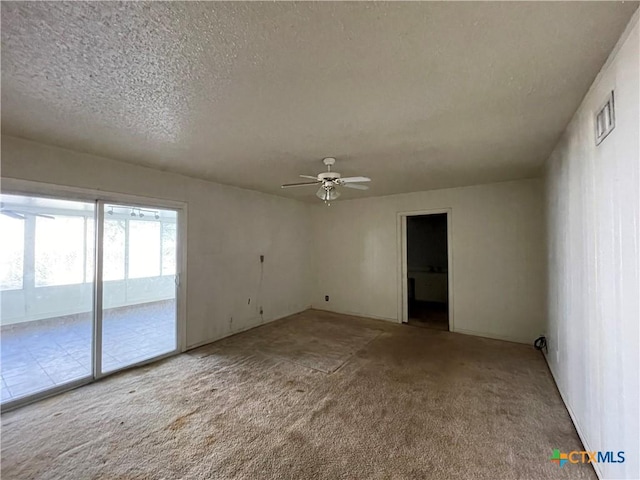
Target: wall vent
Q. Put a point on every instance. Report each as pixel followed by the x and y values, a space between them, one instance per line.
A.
pixel 605 120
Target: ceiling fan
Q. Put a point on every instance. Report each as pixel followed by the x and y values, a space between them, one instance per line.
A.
pixel 329 182
pixel 20 215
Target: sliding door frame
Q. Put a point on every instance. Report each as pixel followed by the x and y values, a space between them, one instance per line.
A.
pixel 99 290
pixel 100 197
pixel 98 284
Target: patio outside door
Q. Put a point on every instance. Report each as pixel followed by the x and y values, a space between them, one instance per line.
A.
pixel 86 289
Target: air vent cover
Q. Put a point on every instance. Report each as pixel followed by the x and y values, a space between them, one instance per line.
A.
pixel 605 120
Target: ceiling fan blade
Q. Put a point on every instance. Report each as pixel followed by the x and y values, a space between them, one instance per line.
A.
pixel 309 176
pixel 21 215
pixel 303 184
pixel 355 179
pixel 356 186
pixel 12 214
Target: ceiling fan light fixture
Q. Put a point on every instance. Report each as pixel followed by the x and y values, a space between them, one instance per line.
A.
pixel 327 193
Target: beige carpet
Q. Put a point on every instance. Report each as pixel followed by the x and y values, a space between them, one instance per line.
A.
pixel 312 396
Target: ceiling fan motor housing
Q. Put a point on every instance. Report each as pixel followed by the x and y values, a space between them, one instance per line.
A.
pixel 328 176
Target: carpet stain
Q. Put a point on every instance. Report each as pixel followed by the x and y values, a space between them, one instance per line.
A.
pixel 325 406
pixel 73 450
pixel 181 421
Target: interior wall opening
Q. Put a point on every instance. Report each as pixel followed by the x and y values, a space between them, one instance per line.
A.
pixel 427 271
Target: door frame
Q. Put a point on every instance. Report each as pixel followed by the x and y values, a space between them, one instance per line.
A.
pixel 403 303
pixel 99 198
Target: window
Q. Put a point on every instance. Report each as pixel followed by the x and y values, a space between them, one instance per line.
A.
pixel 11 252
pixel 114 251
pixel 144 249
pixel 59 250
pixel 62 249
pixel 168 249
pixel 89 250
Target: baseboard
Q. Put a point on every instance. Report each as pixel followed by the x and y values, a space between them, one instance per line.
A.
pixel 243 329
pixel 355 314
pixel 574 419
pixel 493 336
pixel 505 338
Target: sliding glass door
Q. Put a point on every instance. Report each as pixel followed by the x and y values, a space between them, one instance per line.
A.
pixel 139 285
pixel 46 293
pixel 86 288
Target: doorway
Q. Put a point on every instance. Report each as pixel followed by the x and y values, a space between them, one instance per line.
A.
pixel 86 288
pixel 427 271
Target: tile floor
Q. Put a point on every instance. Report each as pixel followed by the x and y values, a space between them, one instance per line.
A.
pixel 35 358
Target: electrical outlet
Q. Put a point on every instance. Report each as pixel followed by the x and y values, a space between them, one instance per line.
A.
pixel 326 298
pixel 261 311
pixel 261 258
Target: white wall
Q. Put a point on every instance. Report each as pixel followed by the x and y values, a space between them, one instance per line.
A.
pixel 497 251
pixel 498 256
pixel 593 218
pixel 229 228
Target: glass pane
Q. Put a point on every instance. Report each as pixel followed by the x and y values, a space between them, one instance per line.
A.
pixel 139 308
pixel 60 250
pixel 46 322
pixel 11 250
pixel 168 249
pixel 90 242
pixel 114 256
pixel 144 248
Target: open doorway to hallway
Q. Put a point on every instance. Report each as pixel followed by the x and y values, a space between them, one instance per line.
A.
pixel 427 271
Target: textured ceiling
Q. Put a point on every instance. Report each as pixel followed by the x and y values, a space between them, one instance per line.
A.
pixel 415 95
